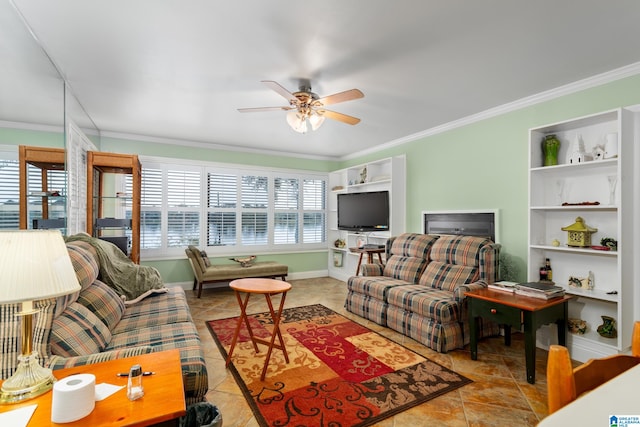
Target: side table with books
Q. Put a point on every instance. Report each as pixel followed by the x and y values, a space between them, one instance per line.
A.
pixel 512 309
pixel 541 290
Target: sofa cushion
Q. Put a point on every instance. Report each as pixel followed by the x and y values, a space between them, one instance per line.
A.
pixel 459 250
pixel 373 286
pixel 156 310
pixel 86 268
pixel 431 303
pixel 84 264
pixel 77 332
pixel 412 245
pixel 439 275
pixel 403 268
pixel 104 302
pixel 407 257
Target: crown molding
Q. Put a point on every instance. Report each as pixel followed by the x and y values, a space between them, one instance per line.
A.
pixel 31 126
pixel 210 146
pixel 577 86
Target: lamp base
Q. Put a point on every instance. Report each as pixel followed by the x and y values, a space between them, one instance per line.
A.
pixel 28 381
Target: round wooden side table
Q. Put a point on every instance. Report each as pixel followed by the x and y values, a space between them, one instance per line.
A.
pixel 266 287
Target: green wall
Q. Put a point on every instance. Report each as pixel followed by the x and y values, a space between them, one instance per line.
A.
pixel 484 165
pixel 37 138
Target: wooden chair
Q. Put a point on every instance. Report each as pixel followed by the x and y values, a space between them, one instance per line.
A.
pixel 565 383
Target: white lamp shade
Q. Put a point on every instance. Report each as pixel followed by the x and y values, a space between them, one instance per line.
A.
pixel 34 265
pixel 297 121
pixel 316 121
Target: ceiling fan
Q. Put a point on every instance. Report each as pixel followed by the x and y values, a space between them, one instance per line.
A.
pixel 305 106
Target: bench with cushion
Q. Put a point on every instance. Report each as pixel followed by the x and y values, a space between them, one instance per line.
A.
pixel 205 272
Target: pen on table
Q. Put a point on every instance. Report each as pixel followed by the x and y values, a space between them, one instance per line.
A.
pixel 126 374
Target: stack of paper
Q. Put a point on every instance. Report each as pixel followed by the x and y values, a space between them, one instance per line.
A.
pixel 504 286
pixel 539 290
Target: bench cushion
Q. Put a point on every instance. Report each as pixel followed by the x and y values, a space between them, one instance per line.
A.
pixel 223 272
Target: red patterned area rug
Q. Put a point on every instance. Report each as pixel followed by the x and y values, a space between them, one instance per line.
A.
pixel 340 373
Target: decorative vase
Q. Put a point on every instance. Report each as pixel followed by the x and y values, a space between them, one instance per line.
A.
pixel 550 148
pixel 608 328
pixel 577 326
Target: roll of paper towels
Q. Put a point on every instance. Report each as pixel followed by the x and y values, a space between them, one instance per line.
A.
pixel 73 398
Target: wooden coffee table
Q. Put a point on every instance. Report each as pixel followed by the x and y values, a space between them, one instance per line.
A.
pixel 266 287
pixel 512 310
pixel 163 399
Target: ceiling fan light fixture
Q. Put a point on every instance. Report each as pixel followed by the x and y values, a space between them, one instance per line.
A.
pixel 316 120
pixel 306 106
pixel 297 121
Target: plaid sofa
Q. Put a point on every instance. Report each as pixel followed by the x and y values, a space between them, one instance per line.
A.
pixel 95 325
pixel 419 292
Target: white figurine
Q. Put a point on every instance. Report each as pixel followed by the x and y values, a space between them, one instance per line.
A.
pixel 576 153
pixel 598 152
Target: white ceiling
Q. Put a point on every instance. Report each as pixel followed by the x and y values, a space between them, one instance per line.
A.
pixel 180 69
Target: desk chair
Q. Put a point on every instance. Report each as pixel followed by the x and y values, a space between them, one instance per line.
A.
pixel 565 383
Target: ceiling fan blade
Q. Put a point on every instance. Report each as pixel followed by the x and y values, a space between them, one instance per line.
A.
pixel 282 91
pixel 260 109
pixel 350 120
pixel 347 95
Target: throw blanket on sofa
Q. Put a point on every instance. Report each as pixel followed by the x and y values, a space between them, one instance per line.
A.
pixel 132 281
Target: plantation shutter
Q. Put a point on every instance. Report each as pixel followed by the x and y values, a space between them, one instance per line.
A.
pixel 314 203
pixel 222 200
pixel 255 201
pixel 286 205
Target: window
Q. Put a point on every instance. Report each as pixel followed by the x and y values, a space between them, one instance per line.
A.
pixel 150 208
pixel 230 210
pixel 9 191
pixel 286 205
pixel 183 207
pixel 314 217
pixel 222 200
pixel 255 201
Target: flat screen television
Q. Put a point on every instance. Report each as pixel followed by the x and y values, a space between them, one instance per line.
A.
pixel 363 211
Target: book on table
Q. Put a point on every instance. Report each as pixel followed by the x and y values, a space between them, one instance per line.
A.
pixel 539 290
pixel 503 286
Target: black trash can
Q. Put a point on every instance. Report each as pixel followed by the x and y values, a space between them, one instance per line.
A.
pixel 202 414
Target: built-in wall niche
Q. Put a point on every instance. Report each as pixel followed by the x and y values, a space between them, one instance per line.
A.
pixel 481 223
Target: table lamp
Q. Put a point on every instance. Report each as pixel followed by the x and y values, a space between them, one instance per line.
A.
pixel 35 265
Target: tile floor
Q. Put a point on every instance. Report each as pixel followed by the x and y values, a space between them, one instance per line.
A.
pixel 499 395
